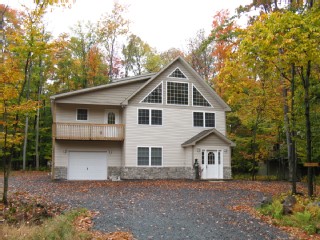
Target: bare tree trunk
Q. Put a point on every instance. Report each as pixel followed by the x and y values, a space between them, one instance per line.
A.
pixel 6 162
pixel 306 85
pixel 6 171
pixel 293 133
pixel 111 60
pixel 311 3
pixel 38 116
pixel 37 138
pixel 287 126
pixel 25 141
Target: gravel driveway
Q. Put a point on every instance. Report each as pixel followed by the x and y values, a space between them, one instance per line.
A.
pixel 163 209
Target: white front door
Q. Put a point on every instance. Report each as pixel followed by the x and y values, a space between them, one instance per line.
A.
pixel 87 166
pixel 212 164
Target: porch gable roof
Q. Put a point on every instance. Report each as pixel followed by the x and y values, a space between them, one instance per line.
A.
pixel 193 141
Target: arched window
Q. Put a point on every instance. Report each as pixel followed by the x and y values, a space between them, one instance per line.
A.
pixel 111 118
pixel 211 158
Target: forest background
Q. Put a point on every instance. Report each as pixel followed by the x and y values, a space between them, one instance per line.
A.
pixel 268 71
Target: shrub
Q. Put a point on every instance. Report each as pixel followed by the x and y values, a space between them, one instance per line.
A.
pixel 302 220
pixel 60 227
pixel 275 209
pixel 306 213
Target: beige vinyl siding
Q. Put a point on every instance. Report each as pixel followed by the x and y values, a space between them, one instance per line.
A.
pixel 163 77
pixel 212 140
pixel 176 129
pixel 96 113
pixel 189 156
pixel 109 96
pixel 227 157
pixel 113 149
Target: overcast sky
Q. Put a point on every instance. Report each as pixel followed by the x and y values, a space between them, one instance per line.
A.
pixel 163 24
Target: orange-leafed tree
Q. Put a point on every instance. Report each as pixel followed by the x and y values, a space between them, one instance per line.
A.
pixel 224 41
pixel 97 68
pixel 12 103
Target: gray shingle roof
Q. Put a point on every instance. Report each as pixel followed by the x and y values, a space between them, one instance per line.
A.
pixel 117 82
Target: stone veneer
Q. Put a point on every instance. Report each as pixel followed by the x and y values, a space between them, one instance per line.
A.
pixel 227 174
pixel 145 172
pixel 157 173
pixel 114 172
pixel 60 173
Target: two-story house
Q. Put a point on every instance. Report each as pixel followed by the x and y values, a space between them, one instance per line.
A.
pixel 152 126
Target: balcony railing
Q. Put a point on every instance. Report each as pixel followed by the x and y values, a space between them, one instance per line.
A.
pixel 88 131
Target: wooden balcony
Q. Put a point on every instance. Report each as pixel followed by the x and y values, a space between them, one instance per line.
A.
pixel 88 131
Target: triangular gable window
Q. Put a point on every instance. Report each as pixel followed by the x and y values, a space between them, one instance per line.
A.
pixel 155 96
pixel 177 74
pixel 198 99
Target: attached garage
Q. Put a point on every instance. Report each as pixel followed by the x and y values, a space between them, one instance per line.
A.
pixel 87 166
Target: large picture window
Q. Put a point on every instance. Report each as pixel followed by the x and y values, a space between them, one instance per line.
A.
pixel 149 156
pixel 155 96
pixel 82 114
pixel 203 119
pixel 150 117
pixel 198 99
pixel 177 93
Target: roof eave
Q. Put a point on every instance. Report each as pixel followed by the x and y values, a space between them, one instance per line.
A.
pixel 105 86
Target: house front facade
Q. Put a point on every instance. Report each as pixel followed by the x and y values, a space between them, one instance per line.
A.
pixel 153 126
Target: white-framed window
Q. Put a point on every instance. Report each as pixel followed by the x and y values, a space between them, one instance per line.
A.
pixel 149 116
pixel 203 119
pixel 177 73
pixel 198 99
pixel 149 156
pixel 111 118
pixel 155 96
pixel 82 114
pixel 178 93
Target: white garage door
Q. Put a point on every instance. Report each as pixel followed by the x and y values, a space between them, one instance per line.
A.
pixel 87 166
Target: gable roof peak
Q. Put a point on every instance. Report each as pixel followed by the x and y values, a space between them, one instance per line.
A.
pixel 188 67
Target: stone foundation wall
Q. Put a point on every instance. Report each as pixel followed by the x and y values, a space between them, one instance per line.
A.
pixel 227 174
pixel 145 173
pixel 157 173
pixel 60 173
pixel 114 172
